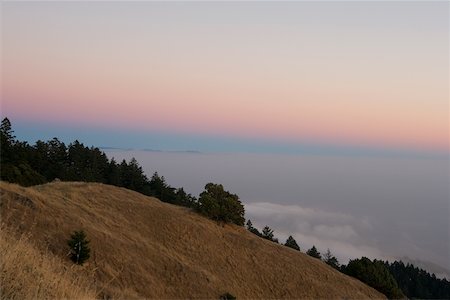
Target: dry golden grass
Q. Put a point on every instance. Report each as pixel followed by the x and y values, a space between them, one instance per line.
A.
pixel 28 273
pixel 143 248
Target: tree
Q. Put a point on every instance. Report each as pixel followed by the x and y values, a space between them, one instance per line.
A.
pixel 6 130
pixel 375 274
pixel 6 141
pixel 30 165
pixel 113 173
pixel 161 189
pixel 132 175
pixel 417 283
pixel 314 253
pixel 57 160
pixel 227 296
pixel 221 205
pixel 253 229
pixel 292 243
pixel 331 260
pixel 22 174
pixel 267 233
pixel 184 199
pixel 79 249
pixel 249 225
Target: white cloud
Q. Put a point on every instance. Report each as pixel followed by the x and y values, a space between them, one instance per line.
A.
pixel 345 235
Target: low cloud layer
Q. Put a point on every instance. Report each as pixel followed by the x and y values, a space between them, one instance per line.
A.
pixel 345 235
pixel 377 207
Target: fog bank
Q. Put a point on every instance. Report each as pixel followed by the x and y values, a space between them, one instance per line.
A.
pixel 372 206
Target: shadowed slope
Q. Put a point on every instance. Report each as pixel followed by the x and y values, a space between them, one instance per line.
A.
pixel 142 247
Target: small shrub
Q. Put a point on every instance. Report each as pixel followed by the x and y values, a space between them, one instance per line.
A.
pixel 227 296
pixel 79 249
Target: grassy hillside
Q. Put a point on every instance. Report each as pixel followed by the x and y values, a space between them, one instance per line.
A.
pixel 31 273
pixel 141 247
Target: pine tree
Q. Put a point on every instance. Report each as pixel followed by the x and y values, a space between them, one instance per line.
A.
pixel 267 233
pixel 331 260
pixel 375 274
pixel 6 130
pixel 292 243
pixel 253 229
pixel 314 253
pixel 7 141
pixel 79 249
pixel 249 225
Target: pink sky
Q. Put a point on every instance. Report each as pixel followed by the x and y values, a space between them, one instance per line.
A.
pixel 373 74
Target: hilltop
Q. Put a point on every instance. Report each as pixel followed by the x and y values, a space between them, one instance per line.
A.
pixel 142 247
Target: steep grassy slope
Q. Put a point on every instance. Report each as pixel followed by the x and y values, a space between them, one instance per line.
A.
pixel 30 273
pixel 142 247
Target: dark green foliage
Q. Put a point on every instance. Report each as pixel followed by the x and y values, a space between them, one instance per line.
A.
pixel 331 260
pixel 267 233
pixel 86 164
pixel 79 249
pixel 227 296
pixel 314 253
pixel 292 243
pixel 45 161
pixel 7 140
pixel 57 160
pixel 253 229
pixel 417 283
pixel 375 274
pixel 221 205
pixel 249 225
pixel 184 199
pixel 14 165
pixel 162 190
pixel 22 174
pixel 113 173
pixel 6 130
pixel 133 177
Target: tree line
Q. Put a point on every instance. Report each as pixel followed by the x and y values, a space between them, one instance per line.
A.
pixel 46 161
pixel 395 280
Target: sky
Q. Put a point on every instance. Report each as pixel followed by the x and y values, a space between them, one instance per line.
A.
pixel 230 76
pixel 329 119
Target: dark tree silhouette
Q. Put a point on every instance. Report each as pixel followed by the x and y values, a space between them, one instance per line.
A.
pixel 331 260
pixel 292 243
pixel 7 141
pixel 267 233
pixel 375 274
pixel 253 229
pixel 79 249
pixel 417 283
pixel 29 165
pixel 221 205
pixel 314 253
